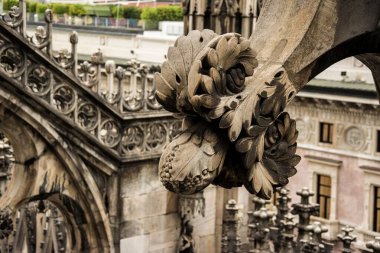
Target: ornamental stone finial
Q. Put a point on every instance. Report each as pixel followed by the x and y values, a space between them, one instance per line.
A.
pixel 230 238
pixel 347 238
pixel 304 210
pixel 374 245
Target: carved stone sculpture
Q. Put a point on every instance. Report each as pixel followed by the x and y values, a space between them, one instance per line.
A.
pixel 205 80
pixel 187 244
pixel 240 135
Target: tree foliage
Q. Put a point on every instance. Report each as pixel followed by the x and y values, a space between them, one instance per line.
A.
pixel 166 13
pixel 77 10
pixel 8 4
pixel 60 8
pixel 41 8
pixel 126 12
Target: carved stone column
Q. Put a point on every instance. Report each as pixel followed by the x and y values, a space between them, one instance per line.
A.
pixel 304 210
pixel 231 242
pixel 288 225
pixel 259 231
pixel 283 209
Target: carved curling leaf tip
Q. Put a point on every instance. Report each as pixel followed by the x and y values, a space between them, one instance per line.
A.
pixel 205 80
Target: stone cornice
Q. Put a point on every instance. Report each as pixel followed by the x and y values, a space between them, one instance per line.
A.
pixel 324 160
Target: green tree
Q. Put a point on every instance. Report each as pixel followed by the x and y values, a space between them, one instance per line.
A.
pixel 41 8
pixel 132 12
pixel 169 13
pixel 114 11
pixel 59 8
pixel 152 16
pixel 32 6
pixel 8 4
pixel 76 10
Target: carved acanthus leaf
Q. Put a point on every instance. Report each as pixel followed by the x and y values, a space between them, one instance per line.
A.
pixel 209 78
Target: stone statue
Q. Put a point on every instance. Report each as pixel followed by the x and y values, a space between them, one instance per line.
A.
pixel 187 243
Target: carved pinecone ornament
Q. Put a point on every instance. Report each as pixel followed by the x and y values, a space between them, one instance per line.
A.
pixel 207 79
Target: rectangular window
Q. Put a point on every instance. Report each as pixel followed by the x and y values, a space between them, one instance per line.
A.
pixel 326 132
pixel 378 141
pixel 376 209
pixel 324 195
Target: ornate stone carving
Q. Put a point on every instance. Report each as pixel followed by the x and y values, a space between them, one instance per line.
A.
pixel 187 242
pixel 354 137
pixel 133 139
pixel 39 80
pixel 14 17
pixel 346 238
pixel 12 60
pixel 374 245
pixel 6 224
pixel 54 87
pixel 305 130
pixel 231 241
pixel 211 83
pixel 64 98
pixel 42 37
pixel 109 133
pixel 88 116
pixel 87 74
pixel 156 136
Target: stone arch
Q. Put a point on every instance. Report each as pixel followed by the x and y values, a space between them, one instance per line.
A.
pixel 47 168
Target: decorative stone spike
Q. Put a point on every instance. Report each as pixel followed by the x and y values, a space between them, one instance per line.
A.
pixel 231 242
pixel 282 205
pixel 347 238
pixel 316 230
pixel 374 245
pixel 288 225
pixel 258 203
pixel 259 231
pixel 304 210
pixel 283 209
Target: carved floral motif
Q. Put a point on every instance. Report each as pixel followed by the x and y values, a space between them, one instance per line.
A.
pixel 12 60
pixel 39 80
pixel 14 17
pixel 133 139
pixel 109 133
pixel 156 137
pixel 207 79
pixel 88 116
pixel 64 98
pixel 42 37
pixel 87 74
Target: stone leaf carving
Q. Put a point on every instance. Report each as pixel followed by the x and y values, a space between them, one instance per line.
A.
pixel 209 80
pixel 193 159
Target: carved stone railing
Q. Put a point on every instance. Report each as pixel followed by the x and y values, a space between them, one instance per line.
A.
pixel 98 98
pixel 278 226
